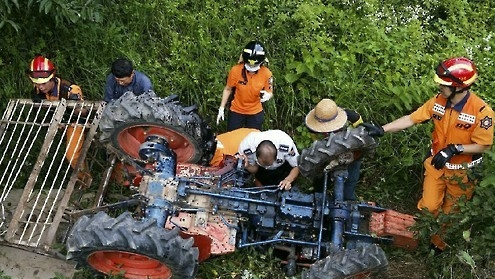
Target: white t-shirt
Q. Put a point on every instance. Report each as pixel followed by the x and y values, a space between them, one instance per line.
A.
pixel 286 149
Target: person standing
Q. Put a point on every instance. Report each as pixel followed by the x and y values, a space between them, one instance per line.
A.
pixel 462 131
pixel 251 84
pixel 327 118
pixel 124 78
pixel 48 86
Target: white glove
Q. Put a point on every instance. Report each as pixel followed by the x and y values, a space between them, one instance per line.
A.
pixel 221 114
pixel 265 96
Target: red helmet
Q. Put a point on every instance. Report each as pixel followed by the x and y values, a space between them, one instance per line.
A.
pixel 457 72
pixel 41 70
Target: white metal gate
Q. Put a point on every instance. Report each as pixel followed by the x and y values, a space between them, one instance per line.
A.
pixel 36 178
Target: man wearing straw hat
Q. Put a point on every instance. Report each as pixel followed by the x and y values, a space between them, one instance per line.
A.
pixel 272 157
pixel 327 117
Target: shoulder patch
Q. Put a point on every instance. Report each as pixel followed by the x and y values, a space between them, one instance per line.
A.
pixel 292 152
pixel 486 122
pixel 247 151
pixel 283 148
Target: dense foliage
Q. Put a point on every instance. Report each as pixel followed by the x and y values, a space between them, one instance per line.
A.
pixel 376 57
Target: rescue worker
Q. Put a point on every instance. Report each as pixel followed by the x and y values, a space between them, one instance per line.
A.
pixel 272 157
pixel 463 130
pixel 251 84
pixel 228 144
pixel 47 86
pixel 124 78
pixel 326 118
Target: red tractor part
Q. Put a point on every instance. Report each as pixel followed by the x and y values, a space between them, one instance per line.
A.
pixel 133 265
pixel 394 224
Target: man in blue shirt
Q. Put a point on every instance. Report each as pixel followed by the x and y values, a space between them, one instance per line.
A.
pixel 124 78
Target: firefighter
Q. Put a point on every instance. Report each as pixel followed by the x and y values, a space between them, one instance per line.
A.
pixel 272 157
pixel 47 86
pixel 252 82
pixel 462 131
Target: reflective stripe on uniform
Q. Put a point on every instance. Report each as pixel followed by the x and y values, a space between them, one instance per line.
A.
pixel 465 165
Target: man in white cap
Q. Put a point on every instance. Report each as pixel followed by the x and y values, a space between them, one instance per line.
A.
pixel 272 157
pixel 327 117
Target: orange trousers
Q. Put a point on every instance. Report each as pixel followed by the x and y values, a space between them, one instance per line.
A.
pixel 441 190
pixel 75 140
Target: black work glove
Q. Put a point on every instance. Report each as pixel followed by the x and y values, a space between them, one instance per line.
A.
pixel 444 155
pixel 373 130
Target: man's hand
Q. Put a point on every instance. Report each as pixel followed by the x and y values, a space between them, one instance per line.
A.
pixel 221 114
pixel 265 96
pixel 285 184
pixel 244 158
pixel 444 155
pixel 373 130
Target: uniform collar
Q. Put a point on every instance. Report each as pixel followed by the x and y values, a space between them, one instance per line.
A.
pixel 54 91
pixel 459 106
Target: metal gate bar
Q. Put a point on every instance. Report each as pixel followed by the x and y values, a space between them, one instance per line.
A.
pixel 39 131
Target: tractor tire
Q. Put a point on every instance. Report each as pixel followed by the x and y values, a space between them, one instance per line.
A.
pixel 315 158
pixel 135 249
pixel 370 259
pixel 125 123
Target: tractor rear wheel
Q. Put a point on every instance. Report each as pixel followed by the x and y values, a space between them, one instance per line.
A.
pixel 342 264
pixel 315 158
pixel 131 248
pixel 126 123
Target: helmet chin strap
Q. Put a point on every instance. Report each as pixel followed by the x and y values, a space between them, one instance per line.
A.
pixel 454 91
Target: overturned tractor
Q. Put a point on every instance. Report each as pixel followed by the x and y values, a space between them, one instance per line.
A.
pixel 183 211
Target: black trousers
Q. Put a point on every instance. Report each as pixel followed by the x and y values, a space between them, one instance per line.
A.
pixel 236 120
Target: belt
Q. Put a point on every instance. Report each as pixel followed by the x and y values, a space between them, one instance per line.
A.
pixel 464 165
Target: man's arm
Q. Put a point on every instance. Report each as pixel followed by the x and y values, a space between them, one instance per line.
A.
pixel 225 95
pixel 475 148
pixel 399 124
pixel 286 184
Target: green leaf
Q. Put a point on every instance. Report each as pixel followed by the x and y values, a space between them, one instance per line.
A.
pixel 464 257
pixel 466 235
pixel 291 77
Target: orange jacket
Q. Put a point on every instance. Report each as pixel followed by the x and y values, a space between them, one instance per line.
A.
pixel 469 121
pixel 63 90
pixel 247 88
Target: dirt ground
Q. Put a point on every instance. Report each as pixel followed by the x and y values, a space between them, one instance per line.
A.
pixel 21 264
pixel 404 268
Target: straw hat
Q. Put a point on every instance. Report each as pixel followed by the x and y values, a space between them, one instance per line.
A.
pixel 326 117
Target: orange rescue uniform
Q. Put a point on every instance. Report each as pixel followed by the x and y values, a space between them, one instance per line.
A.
pixel 75 134
pixel 470 121
pixel 247 88
pixel 228 144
